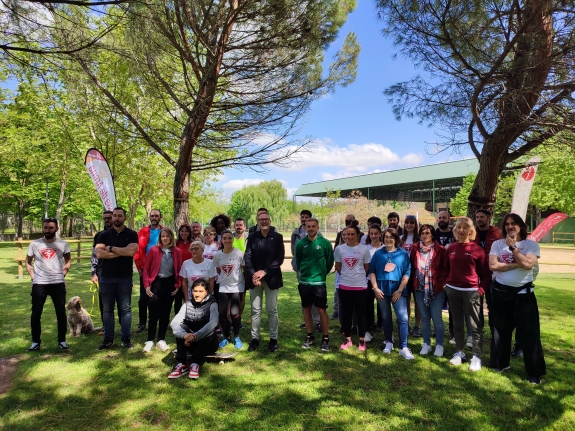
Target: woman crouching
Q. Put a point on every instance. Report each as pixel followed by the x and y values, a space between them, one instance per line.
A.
pixel 194 327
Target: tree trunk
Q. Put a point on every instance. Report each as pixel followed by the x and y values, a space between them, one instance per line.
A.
pixel 484 188
pixel 133 208
pixel 20 220
pixel 61 199
pixel 181 195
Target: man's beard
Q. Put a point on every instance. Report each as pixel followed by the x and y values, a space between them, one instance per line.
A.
pixel 108 225
pixel 118 223
pixel 49 235
pixel 443 224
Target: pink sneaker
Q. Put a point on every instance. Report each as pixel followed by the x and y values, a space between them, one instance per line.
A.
pixel 346 345
pixel 194 371
pixel 362 346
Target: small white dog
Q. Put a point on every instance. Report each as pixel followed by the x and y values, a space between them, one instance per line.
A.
pixel 78 318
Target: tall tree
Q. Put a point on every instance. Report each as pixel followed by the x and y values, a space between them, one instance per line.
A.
pixel 236 76
pixel 267 194
pixel 500 76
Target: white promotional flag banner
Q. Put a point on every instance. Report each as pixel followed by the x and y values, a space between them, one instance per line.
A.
pixel 99 171
pixel 523 188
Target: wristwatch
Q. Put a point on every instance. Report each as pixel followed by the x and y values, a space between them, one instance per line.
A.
pixel 110 248
pixel 512 247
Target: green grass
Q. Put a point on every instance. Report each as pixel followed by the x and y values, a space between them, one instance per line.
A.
pixel 292 389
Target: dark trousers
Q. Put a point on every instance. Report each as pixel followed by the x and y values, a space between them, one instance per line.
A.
pixel 101 305
pixel 233 300
pixel 160 306
pixel 142 304
pixel 178 301
pixel 350 301
pixel 195 352
pixel 369 313
pixel 39 294
pixel 519 312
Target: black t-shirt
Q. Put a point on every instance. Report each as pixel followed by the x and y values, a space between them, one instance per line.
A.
pixel 482 237
pixel 120 266
pixel 444 238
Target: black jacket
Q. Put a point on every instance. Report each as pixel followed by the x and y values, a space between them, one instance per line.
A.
pixel 265 253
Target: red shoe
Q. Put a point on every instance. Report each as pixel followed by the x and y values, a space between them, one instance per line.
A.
pixel 178 371
pixel 194 371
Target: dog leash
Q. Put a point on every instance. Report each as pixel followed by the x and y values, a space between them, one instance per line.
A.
pixel 94 289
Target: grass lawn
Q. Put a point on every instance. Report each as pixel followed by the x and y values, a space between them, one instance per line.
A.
pixel 292 389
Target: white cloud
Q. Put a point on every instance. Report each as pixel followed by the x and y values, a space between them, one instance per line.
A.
pixel 233 185
pixel 290 191
pixel 354 158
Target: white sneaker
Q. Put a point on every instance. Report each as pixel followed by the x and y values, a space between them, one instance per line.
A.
pixel 469 341
pixel 388 348
pixel 458 358
pixel 163 346
pixel 452 341
pixel 425 349
pixel 368 337
pixel 475 364
pixel 406 353
pixel 148 346
pixel 438 350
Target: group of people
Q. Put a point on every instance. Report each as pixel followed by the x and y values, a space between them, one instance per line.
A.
pixel 204 276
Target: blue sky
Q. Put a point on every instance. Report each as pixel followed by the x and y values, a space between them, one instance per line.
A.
pixel 354 129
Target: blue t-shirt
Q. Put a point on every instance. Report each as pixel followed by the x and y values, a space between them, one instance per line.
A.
pixel 154 236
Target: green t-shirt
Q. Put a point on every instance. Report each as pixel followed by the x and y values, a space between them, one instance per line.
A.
pixel 240 244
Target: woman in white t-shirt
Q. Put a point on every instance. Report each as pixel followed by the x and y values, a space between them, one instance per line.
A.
pixel 195 268
pixel 352 262
pixel 373 243
pixel 211 246
pixel 513 303
pixel 229 264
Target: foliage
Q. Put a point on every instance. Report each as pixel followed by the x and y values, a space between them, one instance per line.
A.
pixel 267 194
pixel 499 76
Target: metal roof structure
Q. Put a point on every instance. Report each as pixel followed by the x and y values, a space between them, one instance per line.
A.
pixel 431 183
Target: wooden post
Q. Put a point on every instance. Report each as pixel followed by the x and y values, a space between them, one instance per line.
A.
pixel 79 247
pixel 552 237
pixel 20 257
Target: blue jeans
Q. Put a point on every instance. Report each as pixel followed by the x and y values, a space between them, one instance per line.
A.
pixel 400 308
pixel 120 290
pixel 428 312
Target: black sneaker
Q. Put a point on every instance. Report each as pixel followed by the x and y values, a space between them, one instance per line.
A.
pixel 517 353
pixel 309 341
pixel 34 346
pixel 318 327
pixel 416 332
pixel 273 346
pixel 106 344
pixel 140 328
pixel 302 326
pixel 127 344
pixel 63 346
pixel 254 344
pixel 325 345
pixel 535 380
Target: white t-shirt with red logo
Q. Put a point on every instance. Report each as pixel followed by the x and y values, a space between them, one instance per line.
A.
pixel 193 271
pixel 231 277
pixel 352 260
pixel 48 260
pixel 519 276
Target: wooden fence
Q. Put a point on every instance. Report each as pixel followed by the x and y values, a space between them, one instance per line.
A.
pixel 562 236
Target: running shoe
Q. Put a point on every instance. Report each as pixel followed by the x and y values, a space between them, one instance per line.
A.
pixel 425 349
pixel 106 344
pixel 163 346
pixel 34 346
pixel 238 343
pixel 406 353
pixel 178 371
pixel 308 342
pixel 438 350
pixel 63 346
pixel 148 346
pixel 346 345
pixel 475 364
pixel 194 371
pixel 325 347
pixel 362 346
pixel 368 337
pixel 388 347
pixel 458 358
pixel 223 343
pixel 416 331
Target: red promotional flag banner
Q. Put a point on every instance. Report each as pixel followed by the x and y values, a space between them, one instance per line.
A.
pixel 99 171
pixel 523 188
pixel 546 226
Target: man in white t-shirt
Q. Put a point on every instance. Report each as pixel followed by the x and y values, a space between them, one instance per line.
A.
pixel 514 304
pixel 47 274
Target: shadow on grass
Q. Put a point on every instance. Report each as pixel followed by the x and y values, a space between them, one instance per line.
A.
pixel 289 389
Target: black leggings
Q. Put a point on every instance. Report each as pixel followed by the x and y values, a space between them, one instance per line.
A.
pixel 160 306
pixel 223 300
pixel 350 301
pixel 195 352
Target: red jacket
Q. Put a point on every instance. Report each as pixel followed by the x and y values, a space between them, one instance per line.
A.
pixel 493 234
pixel 152 265
pixel 466 264
pixel 185 249
pixel 143 240
pixel 439 266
